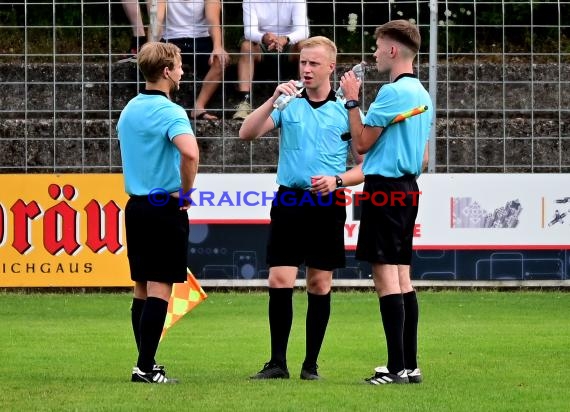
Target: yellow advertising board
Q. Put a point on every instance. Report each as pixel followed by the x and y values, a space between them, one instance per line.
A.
pixel 63 230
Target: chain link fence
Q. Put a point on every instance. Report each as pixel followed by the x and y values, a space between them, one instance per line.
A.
pixel 499 72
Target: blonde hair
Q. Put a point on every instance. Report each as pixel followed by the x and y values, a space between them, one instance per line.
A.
pixel 155 56
pixel 323 41
pixel 403 32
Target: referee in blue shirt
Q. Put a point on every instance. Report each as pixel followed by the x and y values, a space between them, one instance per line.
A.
pixel 307 215
pixel 395 156
pixel 160 156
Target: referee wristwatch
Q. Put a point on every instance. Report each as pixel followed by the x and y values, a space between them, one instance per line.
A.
pixel 351 104
pixel 339 181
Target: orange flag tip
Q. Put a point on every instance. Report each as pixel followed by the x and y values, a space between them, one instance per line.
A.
pixel 413 112
pixel 184 297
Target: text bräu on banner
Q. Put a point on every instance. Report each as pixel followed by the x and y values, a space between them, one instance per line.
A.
pixel 63 230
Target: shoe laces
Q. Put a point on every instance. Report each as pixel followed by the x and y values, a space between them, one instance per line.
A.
pixel 271 365
pixel 267 365
pixel 243 105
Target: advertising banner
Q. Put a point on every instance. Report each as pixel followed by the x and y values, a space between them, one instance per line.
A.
pixel 68 230
pixel 62 230
pixel 456 211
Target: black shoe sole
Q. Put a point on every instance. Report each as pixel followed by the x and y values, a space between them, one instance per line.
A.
pixel 308 376
pixel 263 377
pixel 272 373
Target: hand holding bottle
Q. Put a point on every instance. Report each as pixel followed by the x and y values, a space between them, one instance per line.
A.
pixel 358 71
pixel 285 98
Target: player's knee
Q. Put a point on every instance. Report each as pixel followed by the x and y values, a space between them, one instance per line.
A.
pixel 318 285
pixel 282 278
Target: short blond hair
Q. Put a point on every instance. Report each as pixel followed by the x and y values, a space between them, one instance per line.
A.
pixel 323 41
pixel 155 56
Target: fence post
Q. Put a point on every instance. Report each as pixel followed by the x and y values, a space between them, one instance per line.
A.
pixel 432 80
pixel 153 26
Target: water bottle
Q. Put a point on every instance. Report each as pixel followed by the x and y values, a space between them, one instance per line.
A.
pixel 358 71
pixel 284 99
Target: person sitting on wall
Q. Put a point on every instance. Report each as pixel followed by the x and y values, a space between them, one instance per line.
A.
pixel 195 27
pixel 272 26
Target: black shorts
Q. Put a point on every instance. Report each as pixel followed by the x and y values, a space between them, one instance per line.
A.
pixel 306 229
pixel 195 53
pixel 387 221
pixel 157 240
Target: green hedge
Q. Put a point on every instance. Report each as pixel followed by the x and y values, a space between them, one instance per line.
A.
pixel 492 28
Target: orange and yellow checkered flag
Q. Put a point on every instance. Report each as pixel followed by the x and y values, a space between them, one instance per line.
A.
pixel 405 115
pixel 185 297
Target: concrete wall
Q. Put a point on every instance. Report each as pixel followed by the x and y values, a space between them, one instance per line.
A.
pixel 490 118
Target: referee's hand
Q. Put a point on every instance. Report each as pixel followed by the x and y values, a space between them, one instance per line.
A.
pixel 323 184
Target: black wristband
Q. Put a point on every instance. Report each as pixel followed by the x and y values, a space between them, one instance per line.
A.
pixel 339 181
pixel 351 104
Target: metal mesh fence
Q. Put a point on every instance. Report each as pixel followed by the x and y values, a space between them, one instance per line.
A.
pixel 499 72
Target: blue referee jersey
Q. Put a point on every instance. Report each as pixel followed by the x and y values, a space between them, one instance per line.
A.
pixel 400 148
pixel 310 141
pixel 146 127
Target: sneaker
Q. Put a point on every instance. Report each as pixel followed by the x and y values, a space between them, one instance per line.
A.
pixel 155 368
pixel 414 376
pixel 382 376
pixel 271 371
pixel 151 377
pixel 310 373
pixel 242 110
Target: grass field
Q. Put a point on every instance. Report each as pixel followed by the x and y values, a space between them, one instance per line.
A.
pixel 479 351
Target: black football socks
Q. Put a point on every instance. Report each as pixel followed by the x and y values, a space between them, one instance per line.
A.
pixel 280 321
pixel 411 310
pixel 318 313
pixel 136 312
pixel 392 312
pixel 151 325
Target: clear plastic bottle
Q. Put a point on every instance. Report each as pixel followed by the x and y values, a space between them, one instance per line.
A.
pixel 284 99
pixel 358 70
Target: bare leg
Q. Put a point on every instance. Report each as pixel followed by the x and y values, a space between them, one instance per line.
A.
pixel 209 86
pixel 133 12
pixel 250 54
pixel 139 291
pixel 159 290
pixel 386 280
